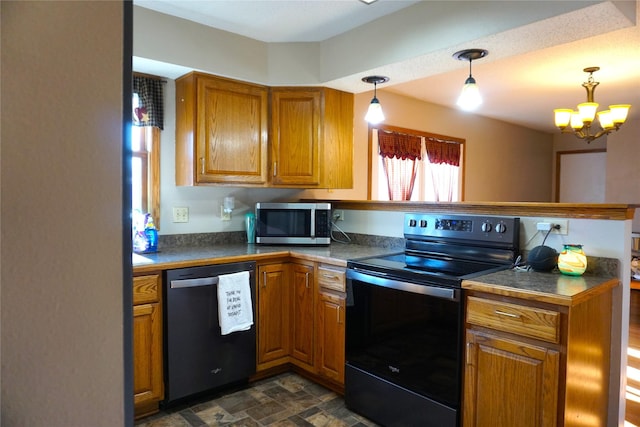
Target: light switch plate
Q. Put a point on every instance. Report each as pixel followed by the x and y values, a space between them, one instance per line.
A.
pixel 180 214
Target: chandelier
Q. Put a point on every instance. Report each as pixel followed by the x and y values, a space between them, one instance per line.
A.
pixel 581 121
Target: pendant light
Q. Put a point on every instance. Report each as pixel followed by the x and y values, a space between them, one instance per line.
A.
pixel 470 97
pixel 374 113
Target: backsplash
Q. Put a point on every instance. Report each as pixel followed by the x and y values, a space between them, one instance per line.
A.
pixel 595 265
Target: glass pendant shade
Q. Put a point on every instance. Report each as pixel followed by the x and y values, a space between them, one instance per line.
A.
pixel 576 121
pixel 605 119
pixel 619 113
pixel 562 117
pixel 587 111
pixel 470 97
pixel 374 113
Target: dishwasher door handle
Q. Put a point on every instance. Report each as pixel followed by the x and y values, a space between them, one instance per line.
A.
pixel 192 283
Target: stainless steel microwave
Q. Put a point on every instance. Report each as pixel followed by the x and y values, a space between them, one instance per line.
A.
pixel 293 223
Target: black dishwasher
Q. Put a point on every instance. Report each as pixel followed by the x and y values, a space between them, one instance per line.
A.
pixel 198 357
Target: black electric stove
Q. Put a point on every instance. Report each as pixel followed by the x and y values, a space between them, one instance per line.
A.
pixel 405 316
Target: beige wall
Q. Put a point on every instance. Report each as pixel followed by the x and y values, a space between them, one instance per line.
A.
pixel 504 162
pixel 62 214
pixel 623 160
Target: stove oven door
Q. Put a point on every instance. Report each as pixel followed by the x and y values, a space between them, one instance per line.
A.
pixel 403 351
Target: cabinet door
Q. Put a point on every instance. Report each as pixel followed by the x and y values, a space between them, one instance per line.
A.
pixel 147 357
pixel 302 281
pixel 296 135
pixel 509 383
pixel 273 315
pixel 331 335
pixel 232 127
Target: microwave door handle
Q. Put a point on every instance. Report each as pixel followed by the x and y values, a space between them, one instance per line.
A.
pixel 312 220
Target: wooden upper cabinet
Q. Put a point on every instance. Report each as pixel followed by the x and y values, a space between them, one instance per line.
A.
pixel 311 137
pixel 296 134
pixel 244 134
pixel 221 131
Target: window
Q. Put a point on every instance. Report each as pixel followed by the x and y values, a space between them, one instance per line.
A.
pixel 406 164
pixel 145 146
pixel 145 170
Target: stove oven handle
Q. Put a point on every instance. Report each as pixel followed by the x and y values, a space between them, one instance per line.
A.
pixel 434 291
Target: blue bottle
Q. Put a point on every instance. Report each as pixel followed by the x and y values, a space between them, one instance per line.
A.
pixel 151 233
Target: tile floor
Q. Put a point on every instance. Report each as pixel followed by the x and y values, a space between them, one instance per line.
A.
pixel 281 401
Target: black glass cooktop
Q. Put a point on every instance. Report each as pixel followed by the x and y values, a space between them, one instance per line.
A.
pixel 433 269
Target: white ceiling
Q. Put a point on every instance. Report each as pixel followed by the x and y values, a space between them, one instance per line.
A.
pixel 531 69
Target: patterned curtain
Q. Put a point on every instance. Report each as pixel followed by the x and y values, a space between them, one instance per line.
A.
pixel 400 153
pixel 150 111
pixel 399 145
pixel 440 152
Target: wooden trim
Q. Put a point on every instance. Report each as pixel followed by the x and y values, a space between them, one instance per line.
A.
pixel 559 155
pixel 609 211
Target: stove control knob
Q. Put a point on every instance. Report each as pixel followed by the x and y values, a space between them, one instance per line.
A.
pixel 486 227
pixel 501 228
pixel 412 223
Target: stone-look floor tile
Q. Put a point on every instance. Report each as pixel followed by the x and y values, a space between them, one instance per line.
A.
pixel 215 416
pixel 322 419
pixel 192 419
pixel 171 420
pixel 238 401
pixel 265 410
pixel 286 400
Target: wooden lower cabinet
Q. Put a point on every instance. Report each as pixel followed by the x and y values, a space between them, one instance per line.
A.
pixel 148 382
pixel 303 314
pixel 534 363
pixel 301 318
pixel 509 382
pixel 274 307
pixel 330 335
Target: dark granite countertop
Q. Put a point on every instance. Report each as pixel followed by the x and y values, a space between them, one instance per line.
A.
pixel 178 257
pixel 553 287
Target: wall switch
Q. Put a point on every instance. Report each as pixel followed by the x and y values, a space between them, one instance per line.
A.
pixel 180 214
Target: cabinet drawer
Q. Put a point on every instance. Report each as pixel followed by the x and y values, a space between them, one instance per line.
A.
pixel 331 278
pixel 518 319
pixel 146 289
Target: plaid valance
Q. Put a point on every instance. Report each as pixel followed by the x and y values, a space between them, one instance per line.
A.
pixel 399 145
pixel 442 151
pixel 150 111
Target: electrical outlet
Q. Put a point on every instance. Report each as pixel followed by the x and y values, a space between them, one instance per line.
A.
pixel 547 223
pixel 180 214
pixel 338 215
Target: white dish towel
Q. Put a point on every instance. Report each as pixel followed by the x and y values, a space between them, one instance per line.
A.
pixel 235 311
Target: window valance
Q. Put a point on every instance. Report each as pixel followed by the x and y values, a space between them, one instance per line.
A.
pixel 440 152
pixel 399 145
pixel 150 111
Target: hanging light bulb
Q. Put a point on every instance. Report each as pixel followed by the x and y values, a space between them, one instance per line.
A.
pixel 470 97
pixel 374 113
